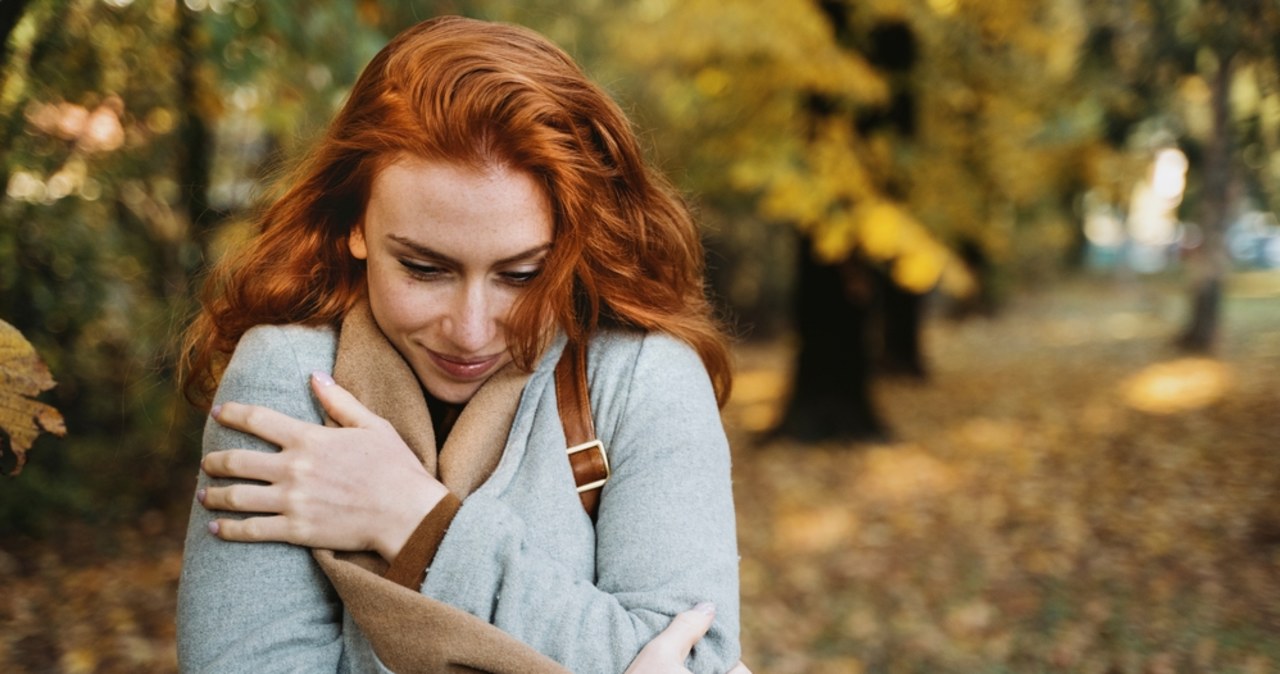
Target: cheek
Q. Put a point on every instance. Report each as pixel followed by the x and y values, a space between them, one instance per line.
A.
pixel 504 306
pixel 398 306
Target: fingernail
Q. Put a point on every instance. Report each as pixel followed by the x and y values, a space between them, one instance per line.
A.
pixel 322 378
pixel 706 608
pixel 200 496
pixel 213 527
pixel 215 411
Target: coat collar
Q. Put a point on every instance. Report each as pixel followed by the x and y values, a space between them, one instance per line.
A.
pixel 369 366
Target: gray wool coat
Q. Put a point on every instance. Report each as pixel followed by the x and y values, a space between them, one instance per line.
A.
pixel 521 552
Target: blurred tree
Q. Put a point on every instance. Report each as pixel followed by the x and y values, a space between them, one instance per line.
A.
pixel 1204 73
pixel 893 48
pixel 756 104
pixel 97 246
pixel 902 130
pixel 121 120
pixel 1231 38
pixel 1004 133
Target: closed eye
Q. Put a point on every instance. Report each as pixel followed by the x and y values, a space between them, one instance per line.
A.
pixel 423 271
pixel 520 277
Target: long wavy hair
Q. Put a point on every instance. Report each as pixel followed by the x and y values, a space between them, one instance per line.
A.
pixel 625 253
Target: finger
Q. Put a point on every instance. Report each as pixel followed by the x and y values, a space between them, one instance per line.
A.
pixel 243 464
pixel 253 529
pixel 275 427
pixel 341 406
pixel 242 498
pixel 686 629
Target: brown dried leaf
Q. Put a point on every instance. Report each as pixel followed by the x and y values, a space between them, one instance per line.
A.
pixel 22 376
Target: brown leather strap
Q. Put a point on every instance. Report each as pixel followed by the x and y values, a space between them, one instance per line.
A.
pixel 587 455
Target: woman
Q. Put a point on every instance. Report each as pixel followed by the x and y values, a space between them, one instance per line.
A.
pixel 477 210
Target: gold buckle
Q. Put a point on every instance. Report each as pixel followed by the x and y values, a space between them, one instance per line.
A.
pixel 604 457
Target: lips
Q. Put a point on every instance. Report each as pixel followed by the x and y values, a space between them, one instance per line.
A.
pixel 464 369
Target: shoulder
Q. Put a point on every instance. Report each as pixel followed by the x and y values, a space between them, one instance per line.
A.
pixel 635 373
pixel 279 353
pixel 622 348
pixel 277 344
pixel 290 336
pixel 644 357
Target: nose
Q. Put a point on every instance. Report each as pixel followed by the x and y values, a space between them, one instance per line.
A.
pixel 470 323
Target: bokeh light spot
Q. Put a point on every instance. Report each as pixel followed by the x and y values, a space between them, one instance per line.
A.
pixel 1177 386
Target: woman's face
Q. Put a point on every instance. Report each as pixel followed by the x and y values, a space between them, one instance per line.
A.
pixel 449 249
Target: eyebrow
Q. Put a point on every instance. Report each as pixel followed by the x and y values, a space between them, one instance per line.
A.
pixel 427 251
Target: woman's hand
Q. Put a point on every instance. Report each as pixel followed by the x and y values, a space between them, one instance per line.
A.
pixel 668 651
pixel 358 487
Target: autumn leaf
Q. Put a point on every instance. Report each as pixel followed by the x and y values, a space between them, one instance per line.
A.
pixel 23 376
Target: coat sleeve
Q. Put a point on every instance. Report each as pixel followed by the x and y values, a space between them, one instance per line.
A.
pixel 665 537
pixel 258 607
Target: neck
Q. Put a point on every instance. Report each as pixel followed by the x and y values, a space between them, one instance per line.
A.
pixel 443 416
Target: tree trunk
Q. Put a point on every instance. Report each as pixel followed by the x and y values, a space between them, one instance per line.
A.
pixel 1209 262
pixel 831 387
pixel 196 156
pixel 901 317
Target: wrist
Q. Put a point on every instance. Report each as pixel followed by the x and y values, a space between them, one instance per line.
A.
pixel 406 518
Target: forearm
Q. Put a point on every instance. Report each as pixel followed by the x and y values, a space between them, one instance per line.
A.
pixel 489 568
pixel 664 541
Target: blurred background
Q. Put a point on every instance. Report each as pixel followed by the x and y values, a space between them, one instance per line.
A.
pixel 1004 276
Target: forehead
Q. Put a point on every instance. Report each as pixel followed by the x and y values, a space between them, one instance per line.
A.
pixel 437 198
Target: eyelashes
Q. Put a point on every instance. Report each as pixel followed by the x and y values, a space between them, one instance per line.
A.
pixel 431 272
pixel 423 272
pixel 520 278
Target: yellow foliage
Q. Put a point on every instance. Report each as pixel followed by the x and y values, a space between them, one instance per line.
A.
pixel 944 7
pixel 833 240
pixel 920 269
pixel 886 232
pixel 712 82
pixel 22 376
pixel 883 228
pixel 783 46
pixel 732 82
pixel 789 197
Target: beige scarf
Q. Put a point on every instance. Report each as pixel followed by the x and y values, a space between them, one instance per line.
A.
pixel 412 633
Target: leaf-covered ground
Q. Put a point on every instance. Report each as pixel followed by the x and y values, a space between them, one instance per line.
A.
pixel 1067 494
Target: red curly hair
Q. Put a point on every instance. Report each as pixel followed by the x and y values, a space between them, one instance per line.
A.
pixel 626 251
